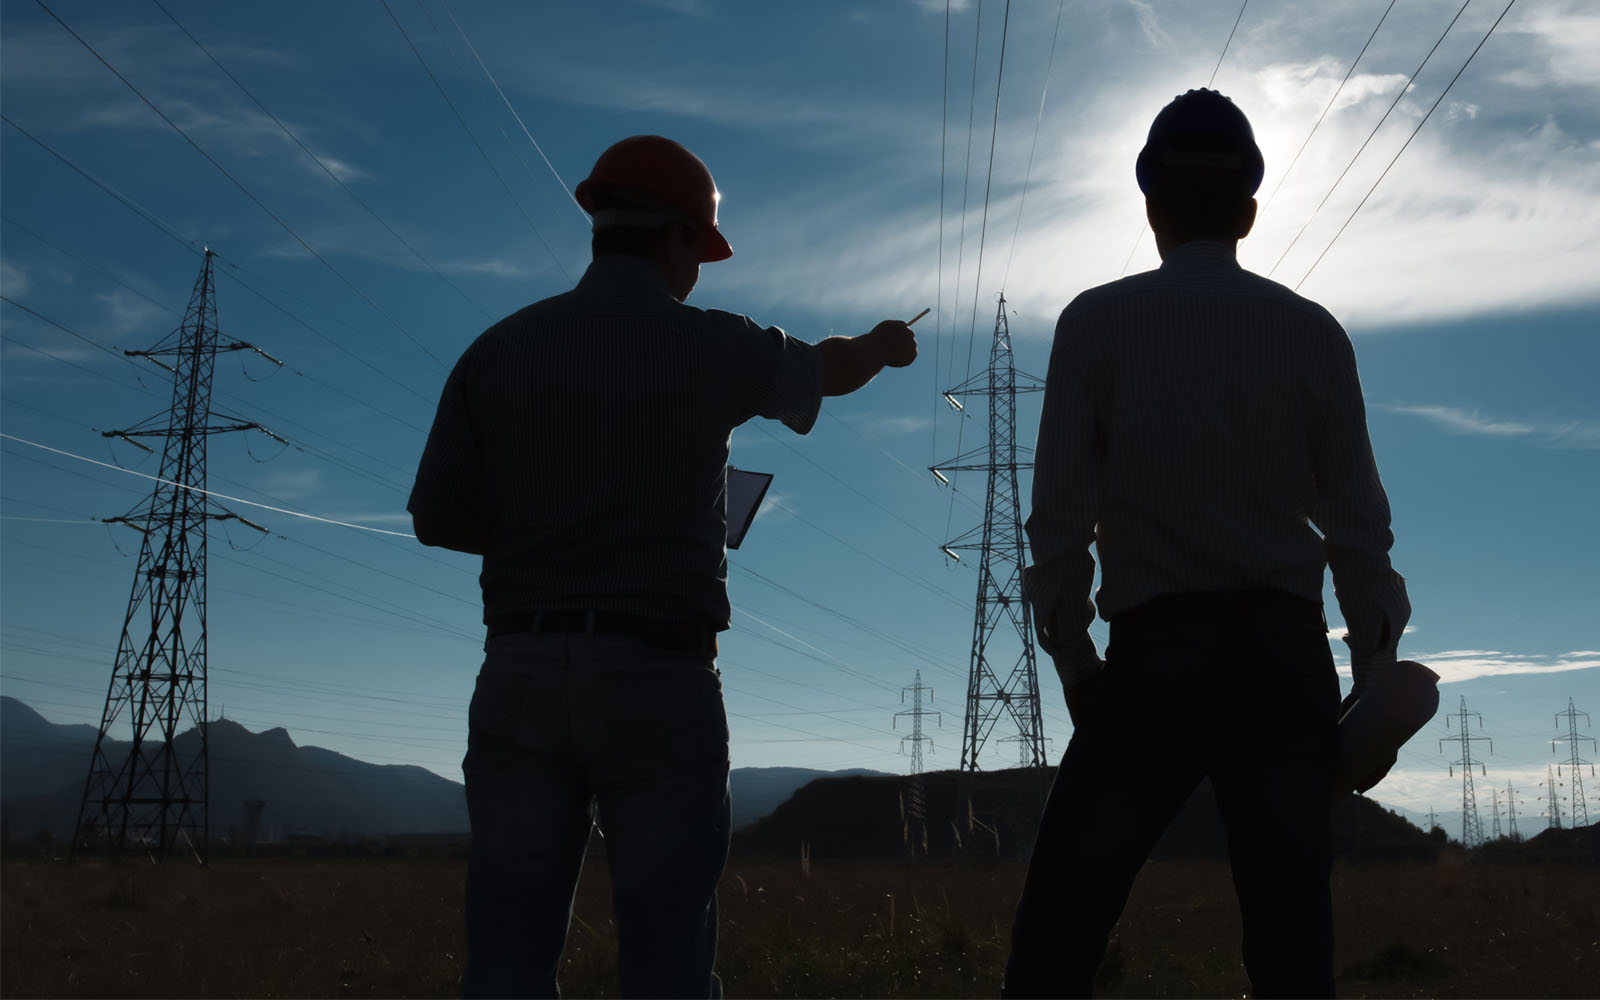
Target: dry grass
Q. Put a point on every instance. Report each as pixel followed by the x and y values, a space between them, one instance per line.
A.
pixel 308 927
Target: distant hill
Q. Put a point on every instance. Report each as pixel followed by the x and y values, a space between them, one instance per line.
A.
pixel 304 789
pixel 996 813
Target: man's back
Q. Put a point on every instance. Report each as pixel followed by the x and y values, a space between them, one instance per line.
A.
pixel 601 418
pixel 1211 388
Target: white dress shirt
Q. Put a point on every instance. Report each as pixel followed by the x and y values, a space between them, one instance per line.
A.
pixel 1204 428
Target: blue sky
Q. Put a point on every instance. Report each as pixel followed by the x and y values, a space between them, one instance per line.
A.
pixel 1467 280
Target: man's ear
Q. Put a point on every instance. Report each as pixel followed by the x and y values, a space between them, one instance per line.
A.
pixel 1247 218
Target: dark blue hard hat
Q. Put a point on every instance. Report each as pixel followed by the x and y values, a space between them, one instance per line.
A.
pixel 1201 130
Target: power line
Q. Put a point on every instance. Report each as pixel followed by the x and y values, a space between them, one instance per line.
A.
pixel 476 144
pixel 1337 91
pixel 146 215
pixel 1027 174
pixel 983 231
pixel 1227 43
pixel 938 286
pixel 1403 146
pixel 554 173
pixel 191 247
pixel 1395 103
pixel 210 493
pixel 246 191
pixel 319 162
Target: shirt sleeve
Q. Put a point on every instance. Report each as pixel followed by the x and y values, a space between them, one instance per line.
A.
pixel 1066 494
pixel 448 503
pixel 780 377
pixel 1352 512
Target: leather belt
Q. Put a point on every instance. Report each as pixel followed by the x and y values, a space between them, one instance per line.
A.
pixel 1232 606
pixel 657 633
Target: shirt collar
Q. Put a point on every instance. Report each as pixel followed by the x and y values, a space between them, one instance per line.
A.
pixel 623 274
pixel 1201 255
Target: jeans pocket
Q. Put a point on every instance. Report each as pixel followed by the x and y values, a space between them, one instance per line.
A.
pixel 494 718
pixel 667 716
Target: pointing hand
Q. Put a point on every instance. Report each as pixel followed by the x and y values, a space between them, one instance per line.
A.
pixel 896 343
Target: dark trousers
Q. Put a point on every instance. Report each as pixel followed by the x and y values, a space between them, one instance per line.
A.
pixel 559 724
pixel 1192 687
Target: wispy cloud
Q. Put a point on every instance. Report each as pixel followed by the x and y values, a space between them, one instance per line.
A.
pixel 127 313
pixel 291 484
pixel 1455 665
pixel 895 426
pixel 13 280
pixel 1490 209
pixel 1561 434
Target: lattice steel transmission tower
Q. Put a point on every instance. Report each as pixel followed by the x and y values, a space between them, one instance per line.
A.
pixel 1579 805
pixel 1511 810
pixel 917 713
pixel 1550 785
pixel 998 686
pixel 914 805
pixel 154 794
pixel 1471 825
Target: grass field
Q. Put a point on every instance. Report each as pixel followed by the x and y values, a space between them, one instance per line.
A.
pixel 304 927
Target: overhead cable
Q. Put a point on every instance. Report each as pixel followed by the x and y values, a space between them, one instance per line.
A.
pixel 209 493
pixel 1339 90
pixel 476 144
pixel 319 162
pixel 244 190
pixel 1393 104
pixel 1039 120
pixel 520 124
pixel 1403 146
pixel 1227 43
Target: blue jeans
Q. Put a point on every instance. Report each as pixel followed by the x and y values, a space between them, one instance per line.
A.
pixel 560 723
pixel 1252 703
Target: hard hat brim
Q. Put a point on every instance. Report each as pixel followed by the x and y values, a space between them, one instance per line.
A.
pixel 713 247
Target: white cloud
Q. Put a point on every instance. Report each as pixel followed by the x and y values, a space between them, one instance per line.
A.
pixel 938 6
pixel 1493 208
pixel 291 484
pixel 127 313
pixel 13 280
pixel 885 426
pixel 1457 665
pixel 1561 41
pixel 1566 434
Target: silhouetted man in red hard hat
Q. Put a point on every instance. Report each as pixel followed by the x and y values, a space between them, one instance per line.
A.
pixel 1203 428
pixel 581 447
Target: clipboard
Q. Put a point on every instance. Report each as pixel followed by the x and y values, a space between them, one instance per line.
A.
pixel 746 490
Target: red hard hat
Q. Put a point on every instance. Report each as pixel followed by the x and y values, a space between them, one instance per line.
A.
pixel 665 172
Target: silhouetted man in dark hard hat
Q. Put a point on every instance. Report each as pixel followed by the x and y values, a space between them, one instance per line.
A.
pixel 580 447
pixel 1203 428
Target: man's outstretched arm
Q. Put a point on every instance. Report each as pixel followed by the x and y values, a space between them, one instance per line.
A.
pixel 848 363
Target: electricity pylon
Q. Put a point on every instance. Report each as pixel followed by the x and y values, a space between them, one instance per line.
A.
pixel 998 686
pixel 1550 785
pixel 917 713
pixel 1471 825
pixel 157 792
pixel 915 804
pixel 1579 806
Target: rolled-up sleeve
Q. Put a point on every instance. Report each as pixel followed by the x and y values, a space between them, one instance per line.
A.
pixel 448 503
pixel 781 376
pixel 1066 493
pixel 1352 512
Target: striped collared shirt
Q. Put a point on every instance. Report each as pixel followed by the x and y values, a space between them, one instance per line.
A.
pixel 589 434
pixel 1204 428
